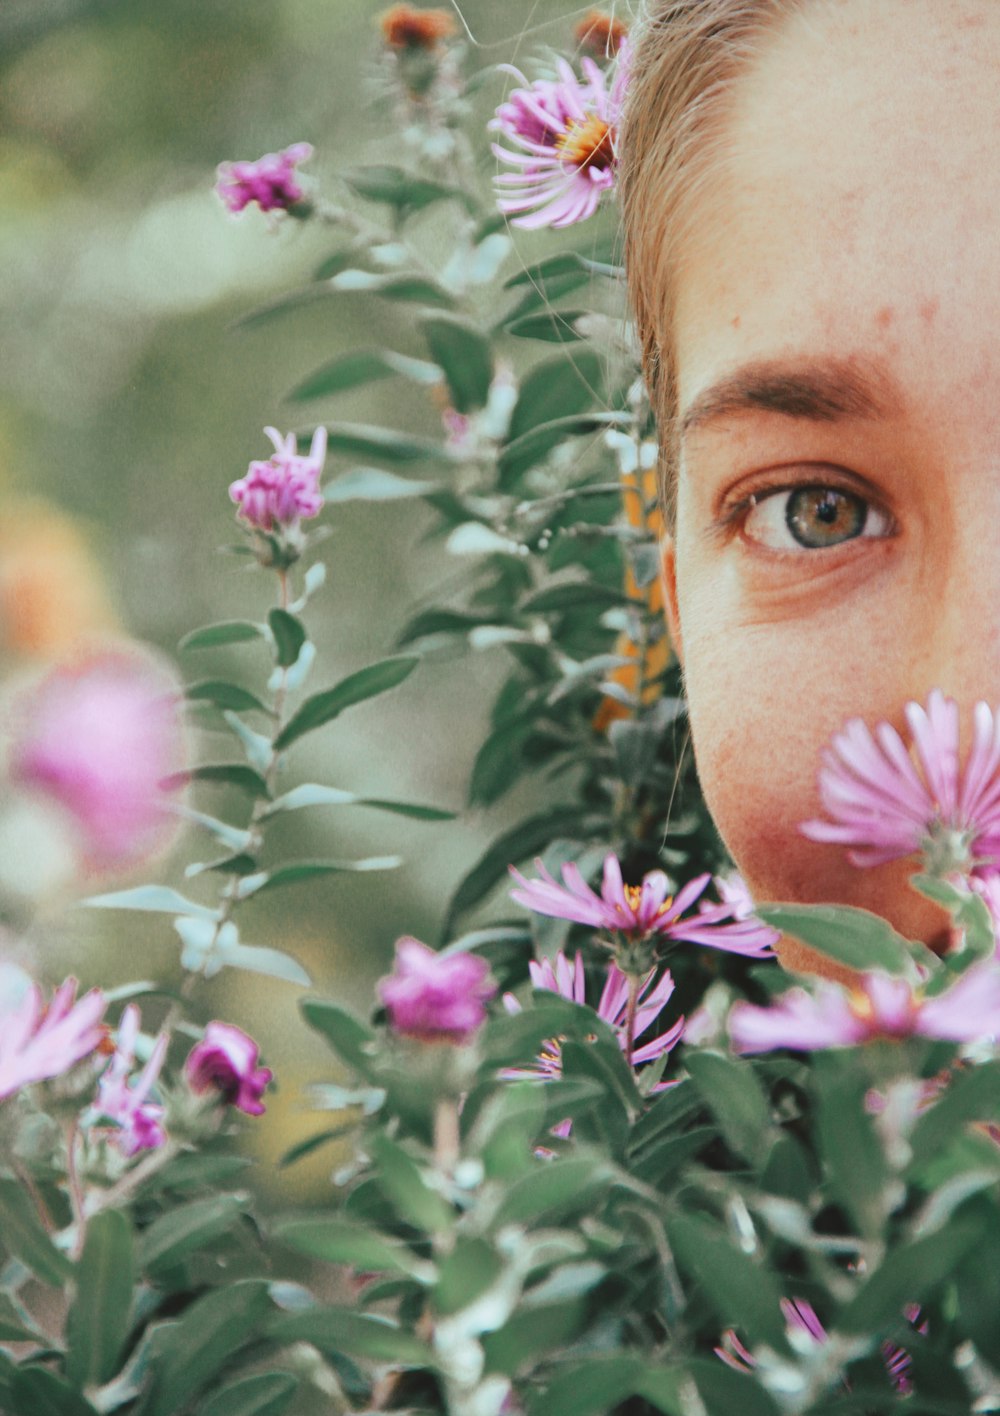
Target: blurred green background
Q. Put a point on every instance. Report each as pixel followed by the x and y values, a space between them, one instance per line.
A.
pixel 129 399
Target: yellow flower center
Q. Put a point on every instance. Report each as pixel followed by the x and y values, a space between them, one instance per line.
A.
pixel 586 144
pixel 633 898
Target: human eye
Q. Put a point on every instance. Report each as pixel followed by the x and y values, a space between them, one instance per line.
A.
pixel 809 517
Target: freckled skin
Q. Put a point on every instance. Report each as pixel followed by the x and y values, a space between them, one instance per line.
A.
pixel 868 227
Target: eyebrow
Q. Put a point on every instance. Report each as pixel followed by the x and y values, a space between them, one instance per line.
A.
pixel 822 390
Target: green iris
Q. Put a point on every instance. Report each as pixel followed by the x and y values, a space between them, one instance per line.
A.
pixel 824 516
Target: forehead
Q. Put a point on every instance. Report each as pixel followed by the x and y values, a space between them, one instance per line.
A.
pixel 852 203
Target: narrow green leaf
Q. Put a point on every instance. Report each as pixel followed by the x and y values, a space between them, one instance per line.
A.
pixel 197 1348
pixel 909 1273
pixel 398 1177
pixel 272 963
pixel 525 839
pixel 337 1330
pixel 972 1096
pixel 36 1392
pixel 571 596
pixel 411 288
pixel 23 1235
pixel 554 326
pixel 314 1143
pixel 179 1233
pixel 310 794
pixel 556 1190
pixel 374 484
pixel 309 870
pixel 98 1320
pixel 590 1387
pixel 289 636
pixel 857 938
pixel 338 1241
pixel 156 899
pixel 853 1158
pixel 726 1393
pixel 230 774
pixel 743 1292
pixel 734 1096
pixel 399 188
pixel 323 707
pixel 15 1324
pixel 225 695
pixel 532 447
pixel 226 632
pixel 267 1394
pixel 348 1036
pixel 351 370
pixel 560 387
pixel 382 444
pixel 465 356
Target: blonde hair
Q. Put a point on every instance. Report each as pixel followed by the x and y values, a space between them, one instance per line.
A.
pixel 685 57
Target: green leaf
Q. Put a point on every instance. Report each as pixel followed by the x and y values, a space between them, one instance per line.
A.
pixel 554 326
pixel 499 763
pixel 289 636
pixel 527 838
pixel 225 695
pixel 399 188
pixel 272 963
pixel 534 1332
pixel 382 444
pixel 314 1143
pixel 533 446
pixel 852 1155
pixel 231 774
pixel 398 1177
pixel 556 388
pixel 323 707
pixel 36 1392
pixel 14 1324
pixel 98 1320
pixel 348 1036
pixel 310 794
pixel 156 899
pixel 373 484
pixel 415 289
pixel 226 632
pixel 908 1274
pixel 180 1232
pixel 556 1190
pixel 197 1348
pixel 857 938
pixel 726 1392
pixel 742 1292
pixel 565 263
pixel 972 1096
pixel 465 356
pixel 571 596
pixel 23 1235
pixel 309 870
pixel 338 1241
pixel 337 1330
pixel 734 1096
pixel 359 367
pixel 267 1394
pixel 591 1387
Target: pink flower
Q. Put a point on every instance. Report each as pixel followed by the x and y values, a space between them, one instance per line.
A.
pixel 124 1100
pixel 271 181
pixel 436 997
pixel 569 980
pixel 225 1061
pixel 284 489
pixel 565 135
pixel 643 911
pixel 887 799
pixel 39 1042
pixel 100 736
pixel 880 1007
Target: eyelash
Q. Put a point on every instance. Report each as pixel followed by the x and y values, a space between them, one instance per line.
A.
pixel 735 516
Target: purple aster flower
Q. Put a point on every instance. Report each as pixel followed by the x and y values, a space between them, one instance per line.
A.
pixel 436 997
pixel 124 1099
pixel 569 981
pixel 562 138
pixel 99 736
pixel 225 1062
pixel 644 911
pixel 879 1007
pixel 39 1042
pixel 285 489
pixel 272 181
pixel 887 799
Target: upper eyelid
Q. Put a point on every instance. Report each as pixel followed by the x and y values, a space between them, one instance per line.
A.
pixel 783 479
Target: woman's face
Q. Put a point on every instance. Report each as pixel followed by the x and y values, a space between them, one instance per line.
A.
pixel 837 335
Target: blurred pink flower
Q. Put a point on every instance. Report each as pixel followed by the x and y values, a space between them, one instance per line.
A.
pixel 272 181
pixel 569 981
pixel 887 799
pixel 124 1101
pixel 284 489
pixel 436 997
pixel 879 1007
pixel 225 1061
pixel 644 911
pixel 39 1042
pixel 100 736
pixel 563 133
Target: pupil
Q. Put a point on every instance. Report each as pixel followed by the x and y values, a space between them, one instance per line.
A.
pixel 823 516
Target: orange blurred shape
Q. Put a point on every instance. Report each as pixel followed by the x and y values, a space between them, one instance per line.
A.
pixel 601 33
pixel 646 667
pixel 53 596
pixel 406 27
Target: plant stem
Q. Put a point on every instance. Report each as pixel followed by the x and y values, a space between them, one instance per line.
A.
pixel 633 998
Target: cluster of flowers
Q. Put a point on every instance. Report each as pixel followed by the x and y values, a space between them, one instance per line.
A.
pixel 40 1042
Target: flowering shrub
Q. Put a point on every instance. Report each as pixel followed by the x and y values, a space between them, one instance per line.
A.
pixel 568 1192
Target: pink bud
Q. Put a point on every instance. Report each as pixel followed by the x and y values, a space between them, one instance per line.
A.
pixel 272 181
pixel 436 997
pixel 225 1061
